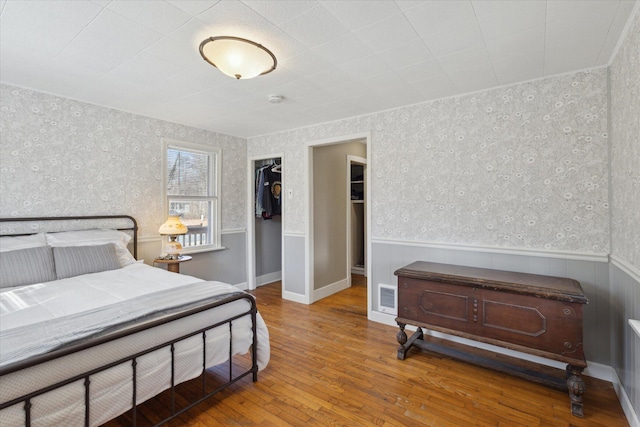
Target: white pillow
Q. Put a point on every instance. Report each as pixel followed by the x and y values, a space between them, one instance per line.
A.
pixel 92 238
pixel 16 243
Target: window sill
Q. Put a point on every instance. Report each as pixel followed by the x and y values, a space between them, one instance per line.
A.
pixel 189 251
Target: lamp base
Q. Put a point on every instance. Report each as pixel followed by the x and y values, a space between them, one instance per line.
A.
pixel 173 249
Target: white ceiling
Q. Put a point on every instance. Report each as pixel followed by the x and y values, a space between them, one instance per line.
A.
pixel 336 59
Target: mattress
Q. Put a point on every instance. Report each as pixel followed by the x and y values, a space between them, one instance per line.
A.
pixel 138 290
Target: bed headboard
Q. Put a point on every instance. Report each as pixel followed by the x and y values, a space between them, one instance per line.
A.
pixel 132 225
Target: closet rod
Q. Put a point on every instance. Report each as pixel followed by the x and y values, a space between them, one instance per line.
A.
pixel 265 162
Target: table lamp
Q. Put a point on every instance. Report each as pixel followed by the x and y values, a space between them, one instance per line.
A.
pixel 173 227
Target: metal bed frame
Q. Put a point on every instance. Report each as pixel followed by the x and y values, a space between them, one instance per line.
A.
pixel 133 227
pixel 132 359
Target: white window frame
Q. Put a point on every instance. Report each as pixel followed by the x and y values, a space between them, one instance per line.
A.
pixel 216 154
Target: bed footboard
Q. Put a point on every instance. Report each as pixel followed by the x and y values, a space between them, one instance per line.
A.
pixel 26 400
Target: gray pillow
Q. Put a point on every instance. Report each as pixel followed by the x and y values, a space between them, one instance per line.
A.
pixel 76 260
pixel 26 267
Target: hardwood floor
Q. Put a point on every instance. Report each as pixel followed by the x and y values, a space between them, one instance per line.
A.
pixel 331 366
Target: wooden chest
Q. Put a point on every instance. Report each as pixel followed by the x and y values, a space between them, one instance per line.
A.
pixel 539 315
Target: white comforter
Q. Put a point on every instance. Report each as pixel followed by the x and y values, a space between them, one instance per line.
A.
pixel 33 318
pixel 35 303
pixel 38 318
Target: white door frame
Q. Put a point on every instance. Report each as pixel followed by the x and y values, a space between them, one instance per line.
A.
pixel 351 159
pixel 251 229
pixel 310 296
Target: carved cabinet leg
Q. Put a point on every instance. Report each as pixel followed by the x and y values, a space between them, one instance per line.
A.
pixel 401 336
pixel 402 339
pixel 576 387
pixel 405 344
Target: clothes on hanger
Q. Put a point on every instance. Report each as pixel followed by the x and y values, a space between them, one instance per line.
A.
pixel 268 189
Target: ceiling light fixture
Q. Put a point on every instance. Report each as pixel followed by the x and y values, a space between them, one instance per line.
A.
pixel 237 57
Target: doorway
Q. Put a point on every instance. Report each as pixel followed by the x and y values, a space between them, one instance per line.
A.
pixel 265 209
pixel 356 218
pixel 330 243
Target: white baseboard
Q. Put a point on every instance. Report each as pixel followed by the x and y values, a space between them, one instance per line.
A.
pixel 331 289
pixel 387 319
pixel 625 402
pixel 357 270
pixel 599 371
pixel 292 296
pixel 268 278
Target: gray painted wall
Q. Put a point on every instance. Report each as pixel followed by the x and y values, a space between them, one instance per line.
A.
pixel 268 245
pixel 625 344
pixel 294 274
pixel 226 265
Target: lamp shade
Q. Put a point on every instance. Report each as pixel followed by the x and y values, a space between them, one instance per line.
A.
pixel 237 57
pixel 173 226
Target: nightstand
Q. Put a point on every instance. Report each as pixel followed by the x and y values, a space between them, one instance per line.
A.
pixel 173 265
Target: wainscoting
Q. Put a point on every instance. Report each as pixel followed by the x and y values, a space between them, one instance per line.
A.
pixel 625 343
pixel 225 265
pixel 294 288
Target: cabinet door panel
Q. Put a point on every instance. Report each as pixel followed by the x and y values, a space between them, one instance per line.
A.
pixel 513 318
pixel 548 325
pixel 444 305
pixel 435 303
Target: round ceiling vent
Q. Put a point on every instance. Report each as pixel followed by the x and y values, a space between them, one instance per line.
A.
pixel 275 99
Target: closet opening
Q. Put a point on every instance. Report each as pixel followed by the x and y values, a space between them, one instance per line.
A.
pixel 264 227
pixel 356 214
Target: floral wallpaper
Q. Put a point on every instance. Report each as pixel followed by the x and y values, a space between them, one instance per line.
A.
pixel 63 157
pixel 625 147
pixel 523 166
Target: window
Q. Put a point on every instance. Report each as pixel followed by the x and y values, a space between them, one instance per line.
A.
pixel 191 189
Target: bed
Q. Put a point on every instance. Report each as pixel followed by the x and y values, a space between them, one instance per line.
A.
pixel 108 332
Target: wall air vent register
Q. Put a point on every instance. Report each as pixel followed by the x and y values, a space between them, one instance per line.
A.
pixel 387 299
